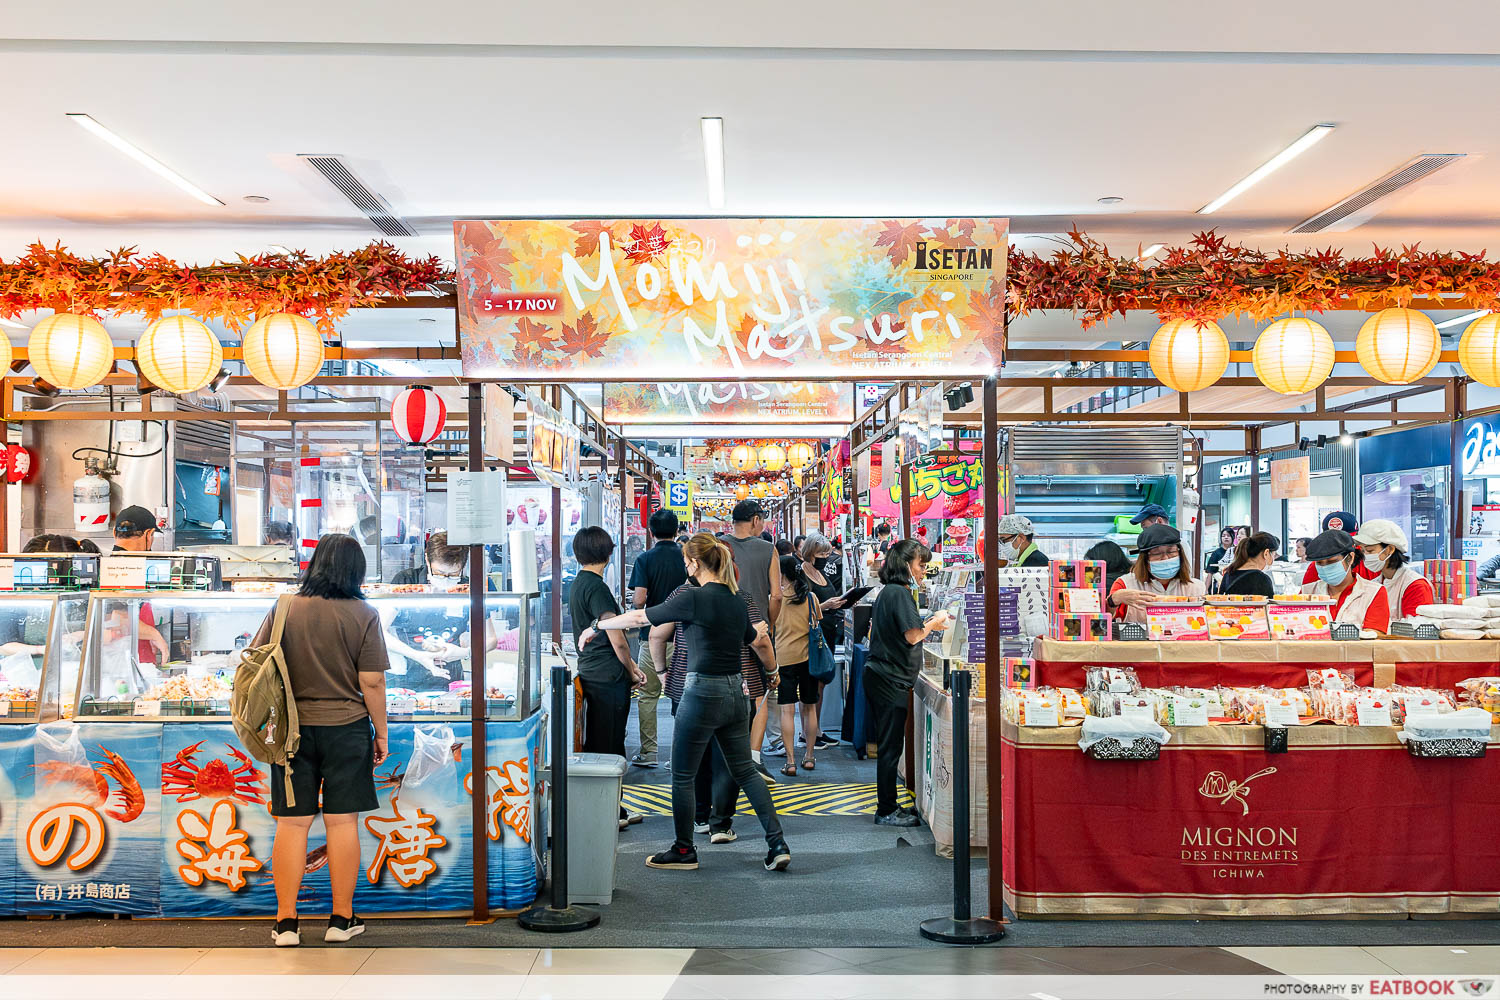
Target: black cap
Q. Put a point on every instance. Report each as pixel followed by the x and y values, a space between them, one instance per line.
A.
pixel 747 510
pixel 133 520
pixel 1341 520
pixel 1156 534
pixel 1333 542
pixel 1150 510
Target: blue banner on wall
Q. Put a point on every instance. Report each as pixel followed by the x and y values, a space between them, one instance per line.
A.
pixel 15 784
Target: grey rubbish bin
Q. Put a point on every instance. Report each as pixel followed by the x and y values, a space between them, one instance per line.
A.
pixel 594 781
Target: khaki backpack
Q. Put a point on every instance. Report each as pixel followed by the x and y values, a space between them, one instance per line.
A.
pixel 264 711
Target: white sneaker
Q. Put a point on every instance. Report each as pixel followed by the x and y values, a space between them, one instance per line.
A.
pixel 284 933
pixel 341 929
pixel 723 837
pixel 700 827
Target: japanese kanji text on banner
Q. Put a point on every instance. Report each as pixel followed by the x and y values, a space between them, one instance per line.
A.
pixel 685 298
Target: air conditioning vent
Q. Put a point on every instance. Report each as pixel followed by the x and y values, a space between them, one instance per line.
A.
pixel 1360 207
pixel 374 207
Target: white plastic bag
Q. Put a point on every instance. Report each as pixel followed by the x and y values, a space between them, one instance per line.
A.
pixel 19 670
pixel 431 776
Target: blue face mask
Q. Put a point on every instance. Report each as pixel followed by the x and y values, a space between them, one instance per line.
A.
pixel 1165 569
pixel 1332 574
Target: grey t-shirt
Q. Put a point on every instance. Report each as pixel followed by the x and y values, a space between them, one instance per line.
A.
pixel 752 558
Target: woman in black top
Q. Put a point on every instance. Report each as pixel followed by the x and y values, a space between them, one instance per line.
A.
pixel 1116 562
pixel 714 706
pixel 1216 558
pixel 896 635
pixel 1247 573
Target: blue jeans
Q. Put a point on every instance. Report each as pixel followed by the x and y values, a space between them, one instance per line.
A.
pixel 716 709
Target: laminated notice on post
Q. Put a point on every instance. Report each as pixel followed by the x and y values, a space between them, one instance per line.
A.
pixel 476 508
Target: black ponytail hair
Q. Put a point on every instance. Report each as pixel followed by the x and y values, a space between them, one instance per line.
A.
pixel 791 570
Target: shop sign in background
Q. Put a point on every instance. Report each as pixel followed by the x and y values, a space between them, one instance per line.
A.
pixel 683 298
pixel 1291 478
pixel 680 498
pixel 940 488
pixel 750 402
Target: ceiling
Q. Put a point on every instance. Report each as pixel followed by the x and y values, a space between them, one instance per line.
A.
pixel 1029 111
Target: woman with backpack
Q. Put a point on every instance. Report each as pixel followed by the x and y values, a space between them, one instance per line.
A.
pixel 336 662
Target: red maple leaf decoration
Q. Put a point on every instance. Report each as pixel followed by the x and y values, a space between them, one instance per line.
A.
pixel 646 244
pixel 988 305
pixel 588 232
pixel 528 356
pixel 489 257
pixel 901 240
pixel 962 230
pixel 530 333
pixel 586 338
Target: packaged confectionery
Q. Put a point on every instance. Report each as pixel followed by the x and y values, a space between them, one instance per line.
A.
pixel 1039 707
pixel 1481 692
pixel 1176 619
pixel 1237 621
pixel 1250 705
pixel 1121 680
pixel 1301 620
pixel 1074 573
pixel 1330 679
pixel 1141 704
pixel 1077 601
pixel 1017 671
pixel 1235 600
pixel 1073 704
pixel 1420 703
pixel 1453 580
pixel 1081 628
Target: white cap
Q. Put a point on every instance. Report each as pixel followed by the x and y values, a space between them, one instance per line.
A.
pixel 1381 532
pixel 1015 524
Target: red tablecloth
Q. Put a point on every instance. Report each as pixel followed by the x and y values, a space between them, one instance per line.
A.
pixel 1345 822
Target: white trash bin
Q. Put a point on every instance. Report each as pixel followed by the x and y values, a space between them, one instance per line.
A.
pixel 594 781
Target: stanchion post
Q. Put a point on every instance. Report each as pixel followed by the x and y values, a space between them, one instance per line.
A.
pixel 961 927
pixel 558 917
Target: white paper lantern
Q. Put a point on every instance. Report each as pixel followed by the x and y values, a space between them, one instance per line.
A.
pixel 1398 345
pixel 1479 350
pixel 283 350
pixel 1188 354
pixel 7 354
pixel 179 354
pixel 1293 355
pixel 71 351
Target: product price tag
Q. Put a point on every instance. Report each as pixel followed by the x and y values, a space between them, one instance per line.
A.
pixel 147 706
pixel 1039 710
pixel 447 704
pixel 1281 714
pixel 4 709
pixel 1370 710
pixel 122 573
pixel 401 706
pixel 1189 711
pixel 1419 708
pixel 1137 709
pixel 7 574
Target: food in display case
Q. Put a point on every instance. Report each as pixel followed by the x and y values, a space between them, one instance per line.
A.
pixel 1230 621
pixel 41 637
pixel 162 655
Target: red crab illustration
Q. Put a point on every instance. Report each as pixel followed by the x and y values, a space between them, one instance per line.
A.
pixel 181 776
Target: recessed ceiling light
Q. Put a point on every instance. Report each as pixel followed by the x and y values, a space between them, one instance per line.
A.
pixel 1304 142
pixel 256 199
pixel 145 159
pixel 1460 320
pixel 1151 251
pixel 1111 199
pixel 713 159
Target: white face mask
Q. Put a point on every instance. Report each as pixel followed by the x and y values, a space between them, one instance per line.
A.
pixel 1374 563
pixel 1007 552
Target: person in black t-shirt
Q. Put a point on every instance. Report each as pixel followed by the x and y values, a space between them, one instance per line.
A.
pixel 604 668
pixel 714 706
pixel 655 575
pixel 896 636
pixel 1247 573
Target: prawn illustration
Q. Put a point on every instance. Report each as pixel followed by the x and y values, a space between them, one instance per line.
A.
pixel 1216 785
pixel 316 858
pixel 93 780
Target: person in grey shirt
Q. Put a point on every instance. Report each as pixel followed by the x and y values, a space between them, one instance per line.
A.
pixel 759 582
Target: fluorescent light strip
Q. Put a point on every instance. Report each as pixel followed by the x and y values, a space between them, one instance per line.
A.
pixel 145 159
pixel 1465 318
pixel 1151 251
pixel 713 159
pixel 1307 140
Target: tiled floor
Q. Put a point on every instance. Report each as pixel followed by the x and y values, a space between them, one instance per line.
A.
pixel 622 973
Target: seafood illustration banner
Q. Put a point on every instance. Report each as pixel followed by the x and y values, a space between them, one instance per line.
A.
pixel 613 299
pixel 171 820
pixel 734 402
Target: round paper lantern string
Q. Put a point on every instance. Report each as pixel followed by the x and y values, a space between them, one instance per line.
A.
pixel 1398 345
pixel 71 351
pixel 1293 355
pixel 179 354
pixel 1479 350
pixel 1188 355
pixel 283 350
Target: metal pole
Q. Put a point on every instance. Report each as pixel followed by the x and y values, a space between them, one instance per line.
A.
pixel 961 928
pixel 559 917
pixel 1254 479
pixel 624 505
pixel 909 762
pixel 478 703
pixel 994 684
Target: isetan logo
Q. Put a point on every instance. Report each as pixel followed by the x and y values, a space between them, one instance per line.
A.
pixel 931 257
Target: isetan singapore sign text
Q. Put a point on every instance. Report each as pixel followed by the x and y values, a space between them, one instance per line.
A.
pixel 668 300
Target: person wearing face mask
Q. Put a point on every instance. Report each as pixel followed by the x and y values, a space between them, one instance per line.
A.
pixel 1017 548
pixel 1247 573
pixel 1216 558
pixel 1339 520
pixel 1385 547
pixel 1361 601
pixel 1160 570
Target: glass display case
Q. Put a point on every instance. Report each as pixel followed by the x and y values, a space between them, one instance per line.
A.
pixel 163 656
pixel 160 571
pixel 41 636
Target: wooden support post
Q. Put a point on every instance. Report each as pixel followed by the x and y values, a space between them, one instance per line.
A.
pixel 479 817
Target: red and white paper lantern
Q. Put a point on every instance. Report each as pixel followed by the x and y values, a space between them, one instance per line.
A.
pixel 418 414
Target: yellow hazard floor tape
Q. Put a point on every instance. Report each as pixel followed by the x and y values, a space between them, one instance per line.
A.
pixel 832 799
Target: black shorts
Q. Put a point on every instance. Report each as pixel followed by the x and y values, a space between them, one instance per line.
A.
pixel 797 685
pixel 339 762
